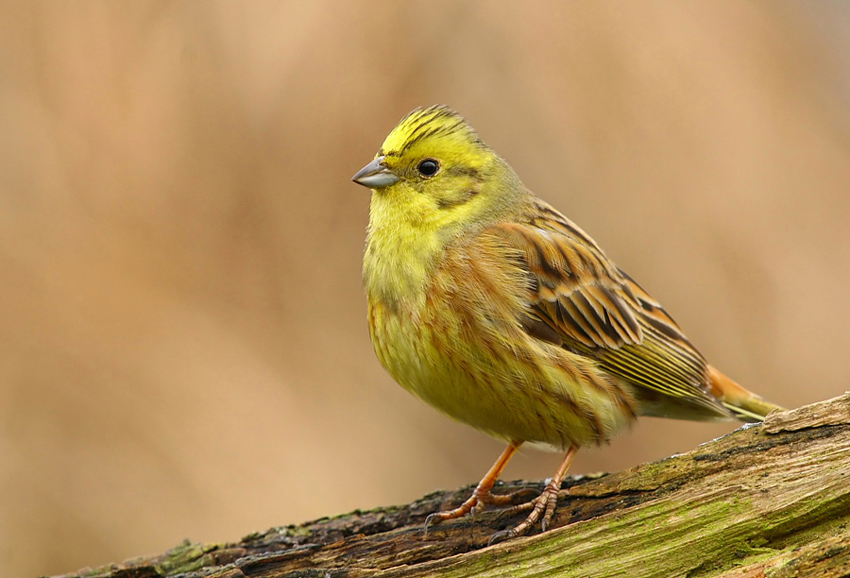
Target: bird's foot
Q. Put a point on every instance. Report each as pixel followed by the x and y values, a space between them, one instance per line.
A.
pixel 543 505
pixel 478 501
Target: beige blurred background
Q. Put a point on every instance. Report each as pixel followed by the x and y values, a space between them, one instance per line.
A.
pixel 183 345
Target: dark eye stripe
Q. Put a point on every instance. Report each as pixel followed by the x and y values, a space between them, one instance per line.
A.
pixel 471 172
pixel 449 203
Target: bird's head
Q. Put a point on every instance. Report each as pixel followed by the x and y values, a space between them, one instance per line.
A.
pixel 433 170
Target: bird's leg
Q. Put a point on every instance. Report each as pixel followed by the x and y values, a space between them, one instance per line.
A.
pixel 481 495
pixel 543 504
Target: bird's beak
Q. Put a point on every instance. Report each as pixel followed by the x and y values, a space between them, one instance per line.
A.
pixel 375 175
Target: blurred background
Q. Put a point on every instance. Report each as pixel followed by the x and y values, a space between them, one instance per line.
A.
pixel 183 340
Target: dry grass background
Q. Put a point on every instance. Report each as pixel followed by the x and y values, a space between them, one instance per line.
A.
pixel 183 346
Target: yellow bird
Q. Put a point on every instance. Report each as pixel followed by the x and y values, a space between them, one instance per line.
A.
pixel 494 308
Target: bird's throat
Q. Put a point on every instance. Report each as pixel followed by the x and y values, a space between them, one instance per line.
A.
pixel 399 256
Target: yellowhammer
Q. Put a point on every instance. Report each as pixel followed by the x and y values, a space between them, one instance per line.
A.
pixel 497 310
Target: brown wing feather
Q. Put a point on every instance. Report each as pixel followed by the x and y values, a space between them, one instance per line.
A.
pixel 580 300
pixel 570 294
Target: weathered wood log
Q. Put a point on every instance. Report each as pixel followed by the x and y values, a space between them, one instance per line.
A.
pixel 770 499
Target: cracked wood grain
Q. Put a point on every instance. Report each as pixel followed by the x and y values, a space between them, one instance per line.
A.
pixel 766 500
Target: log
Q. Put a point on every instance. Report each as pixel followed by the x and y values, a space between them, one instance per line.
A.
pixel 769 499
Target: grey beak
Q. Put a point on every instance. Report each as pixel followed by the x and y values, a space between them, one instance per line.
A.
pixel 375 175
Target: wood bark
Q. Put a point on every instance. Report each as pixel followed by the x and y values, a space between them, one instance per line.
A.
pixel 766 500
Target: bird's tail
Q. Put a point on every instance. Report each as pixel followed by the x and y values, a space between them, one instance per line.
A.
pixel 746 405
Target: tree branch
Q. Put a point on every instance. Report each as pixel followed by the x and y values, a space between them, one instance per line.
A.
pixel 765 498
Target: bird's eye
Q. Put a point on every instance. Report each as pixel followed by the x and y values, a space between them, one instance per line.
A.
pixel 428 167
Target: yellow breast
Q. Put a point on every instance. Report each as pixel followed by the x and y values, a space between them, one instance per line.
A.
pixel 457 344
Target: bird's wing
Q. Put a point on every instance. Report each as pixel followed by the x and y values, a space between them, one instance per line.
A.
pixel 581 301
pixel 572 291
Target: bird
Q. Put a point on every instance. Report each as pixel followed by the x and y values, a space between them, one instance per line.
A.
pixel 493 307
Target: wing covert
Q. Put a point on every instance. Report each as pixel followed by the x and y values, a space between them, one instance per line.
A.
pixel 577 293
pixel 581 301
